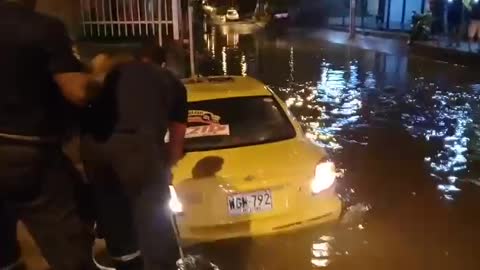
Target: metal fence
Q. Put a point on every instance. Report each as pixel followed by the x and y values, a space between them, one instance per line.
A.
pixel 131 19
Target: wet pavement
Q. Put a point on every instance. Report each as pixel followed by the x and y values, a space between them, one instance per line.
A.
pixel 403 130
pixel 392 44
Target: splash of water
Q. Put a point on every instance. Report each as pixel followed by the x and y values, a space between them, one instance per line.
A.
pixel 195 262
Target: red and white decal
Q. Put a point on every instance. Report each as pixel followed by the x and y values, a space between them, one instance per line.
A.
pixel 207 131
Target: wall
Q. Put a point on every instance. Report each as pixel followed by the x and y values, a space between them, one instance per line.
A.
pixel 373 7
pixel 412 5
pixel 66 10
pixel 397 9
pixel 396 12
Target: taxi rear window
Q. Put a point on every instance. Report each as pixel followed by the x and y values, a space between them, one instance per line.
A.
pixel 235 122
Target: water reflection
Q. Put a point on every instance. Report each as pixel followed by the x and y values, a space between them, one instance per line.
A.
pixel 232 39
pixel 243 64
pixel 444 117
pixel 322 251
pixel 333 103
pixel 231 58
pixel 224 60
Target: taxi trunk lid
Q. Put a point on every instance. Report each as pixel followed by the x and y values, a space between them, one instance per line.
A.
pixel 208 181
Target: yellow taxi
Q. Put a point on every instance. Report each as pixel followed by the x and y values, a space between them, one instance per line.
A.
pixel 249 169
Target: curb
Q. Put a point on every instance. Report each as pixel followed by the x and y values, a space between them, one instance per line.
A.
pixel 446 55
pixel 449 55
pixel 375 33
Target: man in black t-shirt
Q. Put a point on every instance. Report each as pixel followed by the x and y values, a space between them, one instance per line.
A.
pixel 437 7
pixel 455 14
pixel 41 84
pixel 128 162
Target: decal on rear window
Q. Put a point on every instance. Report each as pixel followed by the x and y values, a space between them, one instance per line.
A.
pixel 207 131
pixel 202 117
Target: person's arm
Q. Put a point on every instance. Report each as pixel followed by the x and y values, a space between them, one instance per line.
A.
pixel 76 86
pixel 177 141
pixel 177 122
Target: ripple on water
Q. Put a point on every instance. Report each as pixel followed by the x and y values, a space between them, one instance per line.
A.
pixel 328 106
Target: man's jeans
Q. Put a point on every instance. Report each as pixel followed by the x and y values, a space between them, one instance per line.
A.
pixel 37 184
pixel 131 191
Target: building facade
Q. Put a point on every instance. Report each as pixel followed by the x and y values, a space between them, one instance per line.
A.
pixel 377 14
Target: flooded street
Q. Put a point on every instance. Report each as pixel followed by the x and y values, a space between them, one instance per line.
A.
pixel 404 132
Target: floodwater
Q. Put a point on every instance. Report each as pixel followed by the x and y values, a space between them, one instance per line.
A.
pixel 403 130
pixel 405 134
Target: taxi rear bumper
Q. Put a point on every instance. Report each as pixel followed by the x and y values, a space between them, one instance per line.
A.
pixel 327 210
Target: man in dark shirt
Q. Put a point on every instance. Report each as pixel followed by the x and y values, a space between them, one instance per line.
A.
pixel 129 162
pixel 437 7
pixel 41 83
pixel 455 14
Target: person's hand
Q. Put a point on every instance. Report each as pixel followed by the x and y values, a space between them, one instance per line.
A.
pixel 101 65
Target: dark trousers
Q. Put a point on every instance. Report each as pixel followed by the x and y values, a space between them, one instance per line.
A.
pixel 10 250
pixel 37 186
pixel 131 192
pixel 454 32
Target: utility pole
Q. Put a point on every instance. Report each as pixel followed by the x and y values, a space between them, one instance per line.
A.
pixel 190 36
pixel 353 17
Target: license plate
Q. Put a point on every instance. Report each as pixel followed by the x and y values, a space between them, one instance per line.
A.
pixel 248 203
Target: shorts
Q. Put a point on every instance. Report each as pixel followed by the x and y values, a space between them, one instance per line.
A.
pixel 474 29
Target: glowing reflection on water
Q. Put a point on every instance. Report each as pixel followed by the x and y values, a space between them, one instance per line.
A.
pixel 444 118
pixel 224 60
pixel 322 252
pixel 336 102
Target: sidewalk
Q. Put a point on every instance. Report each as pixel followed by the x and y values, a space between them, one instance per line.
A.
pixel 393 34
pixel 367 42
pixel 396 43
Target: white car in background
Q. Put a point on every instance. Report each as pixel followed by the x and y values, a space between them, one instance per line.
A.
pixel 232 15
